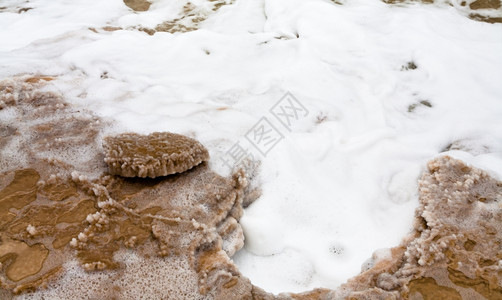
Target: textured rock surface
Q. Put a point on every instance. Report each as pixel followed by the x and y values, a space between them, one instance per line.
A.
pixel 65 227
pixel 455 250
pixel 153 155
pixel 138 5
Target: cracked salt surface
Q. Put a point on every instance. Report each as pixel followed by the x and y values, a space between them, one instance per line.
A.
pixel 343 183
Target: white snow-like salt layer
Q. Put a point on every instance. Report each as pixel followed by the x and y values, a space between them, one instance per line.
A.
pixel 343 182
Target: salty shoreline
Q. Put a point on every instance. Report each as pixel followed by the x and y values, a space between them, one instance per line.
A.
pixel 385 93
pixel 454 250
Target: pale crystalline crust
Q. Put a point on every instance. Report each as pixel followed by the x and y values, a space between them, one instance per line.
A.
pixel 454 251
pixel 153 155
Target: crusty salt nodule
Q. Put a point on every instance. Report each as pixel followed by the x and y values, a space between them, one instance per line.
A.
pixel 138 5
pixel 153 155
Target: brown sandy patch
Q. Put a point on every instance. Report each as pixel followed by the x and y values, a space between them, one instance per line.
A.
pixel 17 8
pixel 485 4
pixel 407 1
pixel 428 289
pixel 486 19
pixel 138 5
pixel 489 11
pixel 22 260
pixel 45 128
pixel 111 28
pixel 191 17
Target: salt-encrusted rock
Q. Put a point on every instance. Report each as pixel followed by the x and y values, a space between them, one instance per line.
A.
pixel 153 155
pixel 138 5
pixel 454 250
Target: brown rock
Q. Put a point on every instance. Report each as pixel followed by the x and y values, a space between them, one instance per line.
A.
pixel 153 155
pixel 138 5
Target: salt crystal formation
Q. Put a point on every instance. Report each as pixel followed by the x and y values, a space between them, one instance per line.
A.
pixel 40 126
pixel 455 251
pixel 153 155
pixel 81 235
